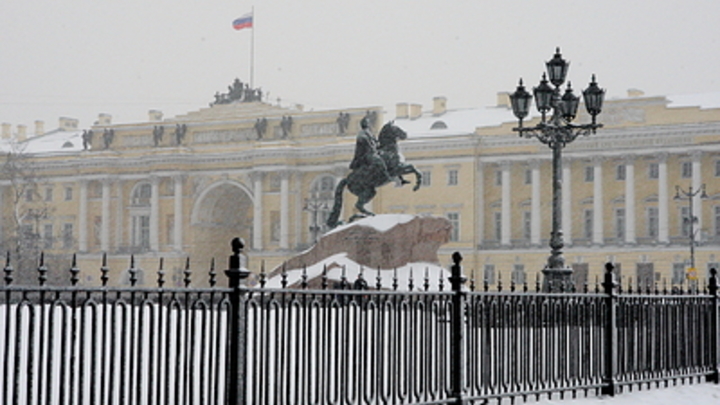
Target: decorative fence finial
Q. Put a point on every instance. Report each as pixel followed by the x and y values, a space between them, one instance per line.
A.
pixel 212 273
pixel 8 270
pixel 74 271
pixel 104 270
pixel 187 272
pixel 133 271
pixel 161 273
pixel 42 270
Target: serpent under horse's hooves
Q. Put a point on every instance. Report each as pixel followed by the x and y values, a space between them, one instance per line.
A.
pixel 364 182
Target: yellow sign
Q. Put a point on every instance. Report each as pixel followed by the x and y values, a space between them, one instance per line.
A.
pixel 692 273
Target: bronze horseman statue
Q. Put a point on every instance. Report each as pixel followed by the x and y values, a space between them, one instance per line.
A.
pixel 377 162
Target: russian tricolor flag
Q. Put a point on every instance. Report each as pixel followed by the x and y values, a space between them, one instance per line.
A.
pixel 246 21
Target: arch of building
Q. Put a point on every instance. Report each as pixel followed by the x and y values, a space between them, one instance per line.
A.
pixel 222 211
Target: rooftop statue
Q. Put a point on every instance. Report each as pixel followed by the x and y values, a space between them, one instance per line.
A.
pixel 376 162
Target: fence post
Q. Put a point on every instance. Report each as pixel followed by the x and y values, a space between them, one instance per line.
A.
pixel 456 339
pixel 714 328
pixel 235 388
pixel 610 361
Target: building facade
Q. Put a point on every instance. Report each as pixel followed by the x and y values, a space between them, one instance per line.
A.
pixel 185 186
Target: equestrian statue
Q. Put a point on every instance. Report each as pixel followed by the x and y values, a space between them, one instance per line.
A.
pixel 377 162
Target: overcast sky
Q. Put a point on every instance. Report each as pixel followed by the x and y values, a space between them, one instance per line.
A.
pixel 78 58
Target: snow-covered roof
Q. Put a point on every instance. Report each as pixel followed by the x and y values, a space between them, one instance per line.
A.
pixel 702 100
pixel 57 141
pixel 456 122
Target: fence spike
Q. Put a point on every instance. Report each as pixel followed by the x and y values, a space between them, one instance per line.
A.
pixel 441 282
pixel 104 270
pixel 395 279
pixel 525 285
pixel 586 288
pixel 160 273
pixel 411 286
pixel 304 277
pixel 512 285
pixel 283 276
pixel 42 270
pixel 324 277
pixel 8 270
pixel 486 285
pixel 664 290
pixel 597 285
pixel 472 281
pixel 343 279
pixel 426 284
pixel 133 271
pixel 187 272
pixel 657 290
pixel 212 273
pixel 499 283
pixel 263 275
pixel 74 271
pixel 630 290
pixel 378 285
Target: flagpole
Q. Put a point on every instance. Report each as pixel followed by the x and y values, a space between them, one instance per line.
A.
pixel 252 48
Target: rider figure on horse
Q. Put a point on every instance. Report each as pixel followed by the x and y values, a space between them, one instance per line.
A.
pixel 368 158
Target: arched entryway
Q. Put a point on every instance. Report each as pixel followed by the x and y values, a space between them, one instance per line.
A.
pixel 223 211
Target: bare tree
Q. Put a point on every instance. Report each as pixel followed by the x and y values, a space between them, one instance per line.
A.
pixel 28 210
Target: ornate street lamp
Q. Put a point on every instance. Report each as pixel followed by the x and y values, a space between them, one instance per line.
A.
pixel 556 131
pixel 691 219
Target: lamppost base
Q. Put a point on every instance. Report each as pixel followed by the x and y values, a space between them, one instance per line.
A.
pixel 557 279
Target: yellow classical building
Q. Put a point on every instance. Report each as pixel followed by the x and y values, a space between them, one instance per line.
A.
pixel 182 187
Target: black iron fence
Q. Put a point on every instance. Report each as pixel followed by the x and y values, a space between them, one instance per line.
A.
pixel 359 343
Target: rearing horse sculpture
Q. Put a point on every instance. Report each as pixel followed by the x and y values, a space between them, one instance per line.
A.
pixel 363 183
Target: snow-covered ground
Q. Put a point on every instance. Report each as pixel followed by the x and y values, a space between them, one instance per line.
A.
pixel 695 394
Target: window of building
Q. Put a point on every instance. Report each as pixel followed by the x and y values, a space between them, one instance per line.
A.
pixel 653 171
pixel 589 174
pixel 454 218
pixel 170 229
pixel 68 193
pixel 620 172
pixel 717 168
pixel 652 222
pixel 685 221
pixel 141 232
pixel 48 194
pixel 498 177
pixel 47 236
pixel 518 275
pixel 588 222
pixel 489 273
pixel 141 194
pixel 426 178
pixel 686 169
pixel 678 273
pixel 67 236
pixel 275 226
pixel 527 224
pixel 498 226
pixel 620 224
pixel 528 176
pixel 717 221
pixel 452 177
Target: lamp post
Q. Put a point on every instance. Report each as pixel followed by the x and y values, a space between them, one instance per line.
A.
pixel 556 131
pixel 689 195
pixel 315 204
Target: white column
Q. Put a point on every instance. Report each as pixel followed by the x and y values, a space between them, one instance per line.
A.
pixel 630 199
pixel 105 212
pixel 284 210
pixel 505 237
pixel 178 212
pixel 257 179
pixel 696 184
pixel 82 217
pixel 155 214
pixel 598 206
pixel 480 200
pixel 663 225
pixel 119 207
pixel 2 205
pixel 535 204
pixel 567 201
